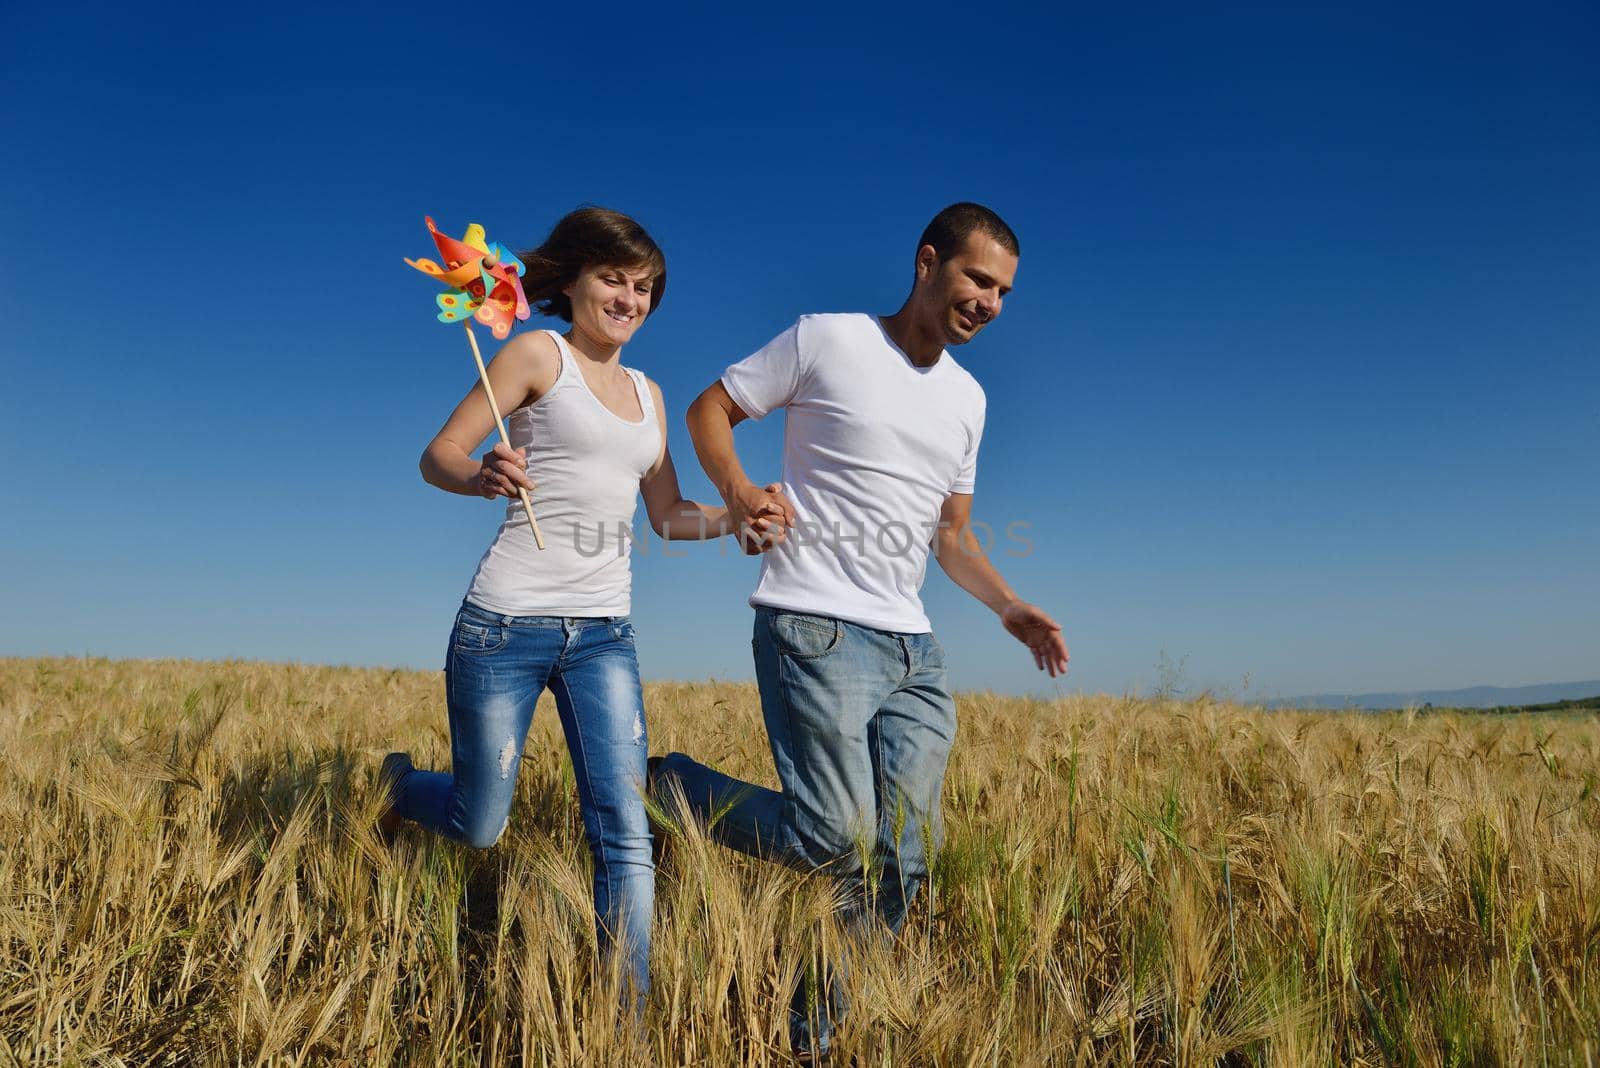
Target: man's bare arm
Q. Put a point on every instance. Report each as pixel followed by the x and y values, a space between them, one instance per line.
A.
pixel 711 419
pixel 961 555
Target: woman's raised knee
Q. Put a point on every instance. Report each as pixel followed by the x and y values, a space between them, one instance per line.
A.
pixel 483 835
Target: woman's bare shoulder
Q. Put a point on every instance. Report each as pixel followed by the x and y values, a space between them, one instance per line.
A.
pixel 531 347
pixel 532 359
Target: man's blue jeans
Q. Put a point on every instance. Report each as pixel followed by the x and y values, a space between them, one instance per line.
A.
pixel 496 669
pixel 861 723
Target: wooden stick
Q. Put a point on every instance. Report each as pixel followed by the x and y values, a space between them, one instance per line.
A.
pixel 483 376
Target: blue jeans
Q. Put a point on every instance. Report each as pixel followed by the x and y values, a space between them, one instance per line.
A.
pixel 495 671
pixel 861 723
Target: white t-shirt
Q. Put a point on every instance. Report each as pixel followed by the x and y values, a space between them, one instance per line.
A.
pixel 872 446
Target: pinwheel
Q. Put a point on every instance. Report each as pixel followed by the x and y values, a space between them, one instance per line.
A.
pixel 486 284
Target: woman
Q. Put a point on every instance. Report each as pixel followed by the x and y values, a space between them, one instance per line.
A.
pixel 588 435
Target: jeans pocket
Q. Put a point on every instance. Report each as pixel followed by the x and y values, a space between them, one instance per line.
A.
pixel 805 637
pixel 622 630
pixel 474 638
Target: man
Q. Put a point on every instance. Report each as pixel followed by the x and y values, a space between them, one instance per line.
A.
pixel 880 456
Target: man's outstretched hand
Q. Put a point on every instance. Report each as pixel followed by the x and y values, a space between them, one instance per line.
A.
pixel 1042 635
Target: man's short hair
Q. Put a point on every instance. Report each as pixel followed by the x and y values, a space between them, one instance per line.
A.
pixel 950 228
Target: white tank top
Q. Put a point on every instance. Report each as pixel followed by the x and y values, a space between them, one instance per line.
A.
pixel 586 462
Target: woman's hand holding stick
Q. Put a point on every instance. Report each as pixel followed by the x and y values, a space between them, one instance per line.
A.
pixel 523 484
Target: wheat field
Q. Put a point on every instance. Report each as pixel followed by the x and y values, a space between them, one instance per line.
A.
pixel 188 875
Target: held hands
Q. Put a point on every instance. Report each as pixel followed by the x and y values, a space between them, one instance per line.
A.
pixel 1042 635
pixel 504 470
pixel 761 517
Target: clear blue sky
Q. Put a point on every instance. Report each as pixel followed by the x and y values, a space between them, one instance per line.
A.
pixel 1299 381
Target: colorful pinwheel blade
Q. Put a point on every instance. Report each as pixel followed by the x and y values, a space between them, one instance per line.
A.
pixel 523 311
pixel 497 310
pixel 456 307
pixel 509 258
pixel 454 253
pixel 476 238
pixel 456 277
pixel 510 271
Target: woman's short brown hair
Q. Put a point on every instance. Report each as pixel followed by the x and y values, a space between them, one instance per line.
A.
pixel 589 236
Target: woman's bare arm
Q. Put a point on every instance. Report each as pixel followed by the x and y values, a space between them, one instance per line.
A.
pixel 521 372
pixel 671 516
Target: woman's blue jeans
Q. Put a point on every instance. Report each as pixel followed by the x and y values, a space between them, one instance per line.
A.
pixel 496 669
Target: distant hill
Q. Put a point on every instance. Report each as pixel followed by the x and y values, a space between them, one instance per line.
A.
pixel 1471 697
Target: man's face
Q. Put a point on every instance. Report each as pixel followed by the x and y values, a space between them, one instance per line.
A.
pixel 965 290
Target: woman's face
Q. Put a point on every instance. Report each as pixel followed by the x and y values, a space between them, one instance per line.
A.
pixel 609 303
